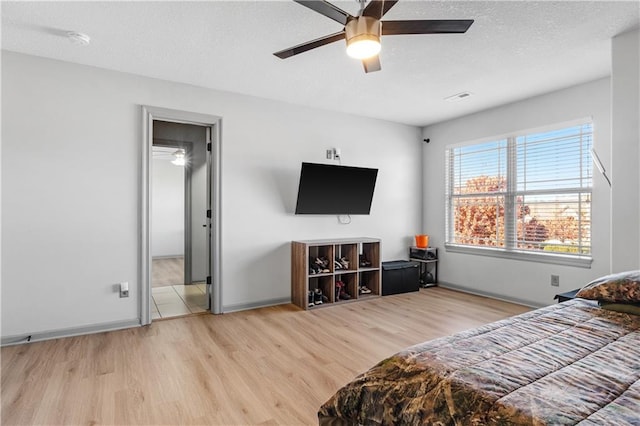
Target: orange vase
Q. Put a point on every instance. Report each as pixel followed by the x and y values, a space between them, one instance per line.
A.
pixel 422 241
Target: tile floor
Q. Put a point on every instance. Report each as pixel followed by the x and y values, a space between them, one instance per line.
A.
pixel 178 300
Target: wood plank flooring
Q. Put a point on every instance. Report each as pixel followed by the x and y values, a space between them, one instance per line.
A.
pixel 167 271
pixel 266 366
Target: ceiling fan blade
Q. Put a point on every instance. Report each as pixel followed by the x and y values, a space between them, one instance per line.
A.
pixel 301 48
pixel 327 9
pixel 432 26
pixel 372 64
pixel 377 8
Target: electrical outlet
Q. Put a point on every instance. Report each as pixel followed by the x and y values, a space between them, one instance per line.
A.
pixel 555 280
pixel 329 154
pixel 124 289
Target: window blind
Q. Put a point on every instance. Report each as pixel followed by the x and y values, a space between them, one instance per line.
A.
pixel 527 192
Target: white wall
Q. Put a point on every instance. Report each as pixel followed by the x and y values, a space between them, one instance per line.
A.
pixel 625 152
pixel 167 210
pixel 519 280
pixel 71 189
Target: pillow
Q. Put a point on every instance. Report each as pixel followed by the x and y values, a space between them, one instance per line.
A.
pixel 622 287
pixel 627 308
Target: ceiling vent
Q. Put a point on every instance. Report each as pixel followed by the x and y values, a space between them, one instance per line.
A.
pixel 458 96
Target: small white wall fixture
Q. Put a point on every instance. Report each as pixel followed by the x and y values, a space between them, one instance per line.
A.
pixel 149 114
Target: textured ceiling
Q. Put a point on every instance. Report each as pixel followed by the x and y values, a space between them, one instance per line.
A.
pixel 514 50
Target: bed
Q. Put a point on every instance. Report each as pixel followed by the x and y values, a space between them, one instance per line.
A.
pixel 570 363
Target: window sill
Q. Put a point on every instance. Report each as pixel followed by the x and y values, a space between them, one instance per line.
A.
pixel 556 259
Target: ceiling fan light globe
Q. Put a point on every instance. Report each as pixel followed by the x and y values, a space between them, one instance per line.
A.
pixel 363 37
pixel 363 49
pixel 180 159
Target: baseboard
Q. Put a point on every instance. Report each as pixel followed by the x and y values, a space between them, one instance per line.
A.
pixel 119 325
pixel 68 332
pixel 253 305
pixel 489 294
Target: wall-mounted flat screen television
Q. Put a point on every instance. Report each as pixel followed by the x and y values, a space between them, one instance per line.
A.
pixel 333 189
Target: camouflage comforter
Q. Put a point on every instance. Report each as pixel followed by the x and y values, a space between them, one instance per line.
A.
pixel 570 363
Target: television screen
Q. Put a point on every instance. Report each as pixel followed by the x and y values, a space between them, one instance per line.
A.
pixel 333 189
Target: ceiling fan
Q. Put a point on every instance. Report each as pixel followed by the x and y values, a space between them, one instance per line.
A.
pixel 363 32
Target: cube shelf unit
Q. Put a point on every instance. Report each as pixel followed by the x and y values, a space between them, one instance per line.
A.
pixel 351 248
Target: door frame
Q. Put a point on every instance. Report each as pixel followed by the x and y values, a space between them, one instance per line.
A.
pixel 214 123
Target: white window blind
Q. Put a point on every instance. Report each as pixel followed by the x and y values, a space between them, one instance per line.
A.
pixel 526 193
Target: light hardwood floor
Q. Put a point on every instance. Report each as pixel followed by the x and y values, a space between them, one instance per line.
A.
pixel 167 271
pixel 266 366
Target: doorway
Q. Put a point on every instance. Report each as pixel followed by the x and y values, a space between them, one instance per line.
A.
pixel 179 200
pixel 168 215
pixel 180 247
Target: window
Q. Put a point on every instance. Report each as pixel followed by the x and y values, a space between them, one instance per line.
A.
pixel 525 196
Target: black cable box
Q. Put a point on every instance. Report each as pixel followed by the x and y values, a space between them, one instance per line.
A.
pixel 428 253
